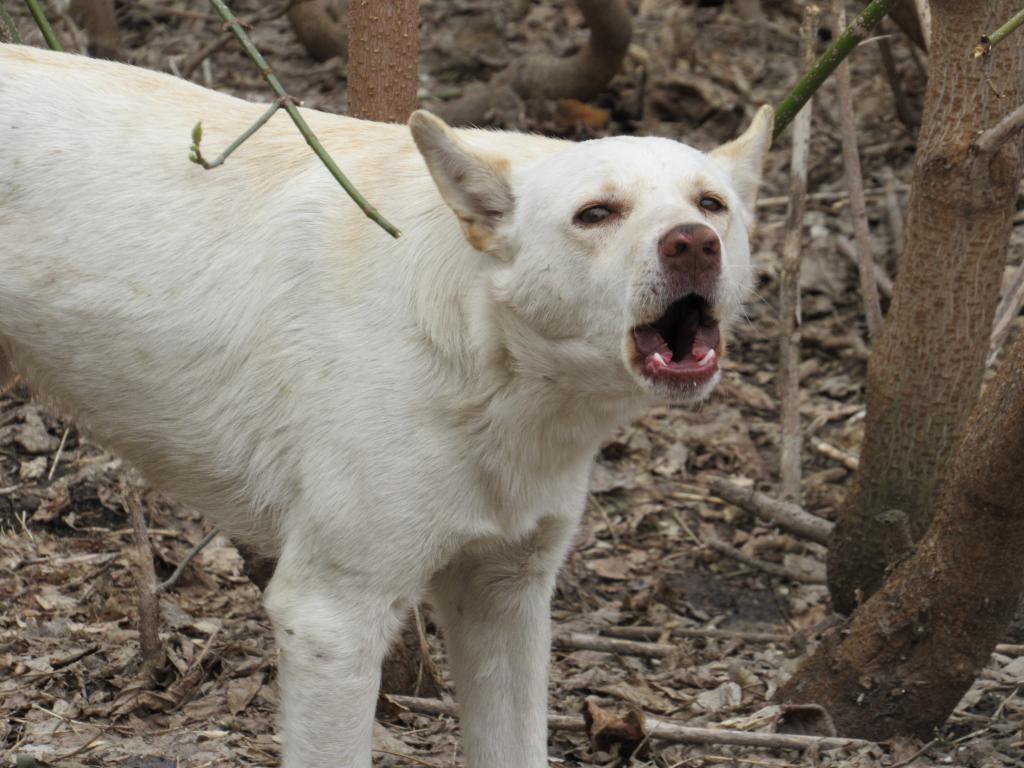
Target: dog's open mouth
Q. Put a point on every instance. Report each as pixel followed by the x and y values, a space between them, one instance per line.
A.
pixel 682 345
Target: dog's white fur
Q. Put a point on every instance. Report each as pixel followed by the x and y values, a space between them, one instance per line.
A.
pixel 392 419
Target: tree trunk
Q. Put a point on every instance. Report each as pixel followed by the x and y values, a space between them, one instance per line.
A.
pixel 383 51
pixel 906 657
pixel 320 27
pixel 905 15
pixel 97 17
pixel 582 75
pixel 926 367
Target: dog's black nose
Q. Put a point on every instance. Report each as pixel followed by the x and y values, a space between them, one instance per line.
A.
pixel 693 249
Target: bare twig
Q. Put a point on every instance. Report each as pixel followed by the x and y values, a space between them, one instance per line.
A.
pixel 44 25
pixel 894 214
pixel 1008 309
pixel 577 641
pixel 988 42
pixel 789 283
pixel 855 183
pixel 827 196
pixel 193 62
pixel 57 455
pixel 663 731
pixel 654 633
pixel 847 249
pixel 171 580
pixel 153 653
pixel 992 139
pixel 826 64
pixel 826 449
pixel 904 111
pixel 785 515
pixel 289 105
pixel 771 568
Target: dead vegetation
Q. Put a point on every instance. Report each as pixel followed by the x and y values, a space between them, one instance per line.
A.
pixel 662 558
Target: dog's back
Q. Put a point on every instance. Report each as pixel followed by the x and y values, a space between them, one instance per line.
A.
pixel 203 323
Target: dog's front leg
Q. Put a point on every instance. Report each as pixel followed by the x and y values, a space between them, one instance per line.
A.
pixel 493 602
pixel 332 633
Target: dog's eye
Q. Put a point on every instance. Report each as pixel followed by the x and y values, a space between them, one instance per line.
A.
pixel 594 214
pixel 711 204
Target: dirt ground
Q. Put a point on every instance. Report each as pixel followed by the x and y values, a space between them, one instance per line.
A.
pixel 69 691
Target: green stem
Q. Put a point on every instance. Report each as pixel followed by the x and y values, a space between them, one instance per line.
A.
pixel 289 105
pixel 988 42
pixel 44 25
pixel 12 28
pixel 819 72
pixel 197 135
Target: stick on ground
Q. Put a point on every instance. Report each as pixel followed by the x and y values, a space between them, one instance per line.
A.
pixel 654 633
pixel 171 580
pixel 661 730
pixel 788 516
pixel 771 568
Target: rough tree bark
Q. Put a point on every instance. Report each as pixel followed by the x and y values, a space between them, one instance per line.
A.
pixel 906 18
pixel 902 662
pixel 383 48
pixel 580 76
pixel 100 24
pixel 321 27
pixel 926 368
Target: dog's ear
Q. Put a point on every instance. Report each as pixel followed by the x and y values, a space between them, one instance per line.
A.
pixel 473 184
pixel 743 158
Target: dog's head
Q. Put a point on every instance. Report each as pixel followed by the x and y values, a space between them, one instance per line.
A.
pixel 619 262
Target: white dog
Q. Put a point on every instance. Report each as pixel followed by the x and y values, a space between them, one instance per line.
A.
pixel 394 420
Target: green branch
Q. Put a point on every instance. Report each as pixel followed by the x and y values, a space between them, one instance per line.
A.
pixel 44 25
pixel 819 72
pixel 10 26
pixel 289 105
pixel 988 42
pixel 196 155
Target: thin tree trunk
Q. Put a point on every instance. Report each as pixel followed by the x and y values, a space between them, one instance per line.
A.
pixel 382 59
pixel 926 367
pixel 153 652
pixel 789 282
pixel 902 662
pixel 97 17
pixel 321 27
pixel 581 76
pixel 905 15
pixel 855 185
